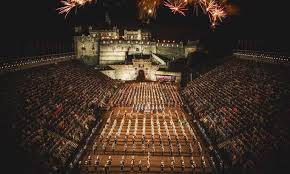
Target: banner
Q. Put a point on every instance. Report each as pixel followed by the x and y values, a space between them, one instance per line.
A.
pixel 165 78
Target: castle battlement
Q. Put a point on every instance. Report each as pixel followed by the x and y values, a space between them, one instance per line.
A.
pixel 105 47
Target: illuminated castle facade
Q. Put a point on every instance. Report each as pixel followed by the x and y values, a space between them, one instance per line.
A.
pixel 106 47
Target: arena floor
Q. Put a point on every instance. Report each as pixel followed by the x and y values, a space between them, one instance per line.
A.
pixel 111 129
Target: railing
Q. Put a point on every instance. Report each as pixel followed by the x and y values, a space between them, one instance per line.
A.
pixel 83 148
pixel 26 62
pixel 205 137
pixel 263 56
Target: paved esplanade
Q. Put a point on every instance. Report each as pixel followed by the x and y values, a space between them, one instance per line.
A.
pixel 147 131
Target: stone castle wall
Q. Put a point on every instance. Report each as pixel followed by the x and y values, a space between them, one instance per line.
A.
pixel 112 52
pixel 105 52
pixel 189 49
pixel 130 72
pixel 170 50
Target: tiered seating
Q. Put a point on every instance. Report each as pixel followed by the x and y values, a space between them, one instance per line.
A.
pixel 57 108
pixel 151 96
pixel 236 104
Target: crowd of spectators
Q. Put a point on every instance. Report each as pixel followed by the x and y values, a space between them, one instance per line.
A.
pixel 56 109
pixel 243 106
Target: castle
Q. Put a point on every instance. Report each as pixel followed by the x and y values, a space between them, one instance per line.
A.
pixel 111 48
pixel 104 47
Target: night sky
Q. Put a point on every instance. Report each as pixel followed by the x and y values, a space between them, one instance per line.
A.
pixel 25 21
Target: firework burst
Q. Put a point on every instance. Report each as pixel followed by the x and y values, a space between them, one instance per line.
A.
pixel 216 15
pixel 68 5
pixel 211 5
pixel 147 8
pixel 216 10
pixel 177 6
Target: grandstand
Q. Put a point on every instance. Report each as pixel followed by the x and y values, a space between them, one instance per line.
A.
pixel 68 117
pixel 241 105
